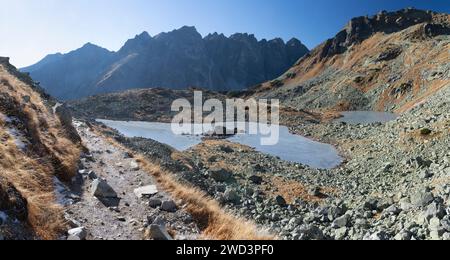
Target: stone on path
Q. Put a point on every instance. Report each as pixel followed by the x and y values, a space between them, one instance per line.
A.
pixel 78 233
pixel 101 189
pixel 146 191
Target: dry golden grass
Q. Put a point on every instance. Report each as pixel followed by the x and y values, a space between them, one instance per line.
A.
pixel 292 190
pixel 51 153
pixel 212 219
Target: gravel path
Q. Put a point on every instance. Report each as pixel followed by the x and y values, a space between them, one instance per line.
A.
pixel 126 217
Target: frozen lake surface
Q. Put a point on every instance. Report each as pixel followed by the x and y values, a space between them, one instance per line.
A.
pixel 290 147
pixel 366 117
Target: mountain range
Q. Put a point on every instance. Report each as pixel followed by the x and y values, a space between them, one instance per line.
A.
pixel 176 60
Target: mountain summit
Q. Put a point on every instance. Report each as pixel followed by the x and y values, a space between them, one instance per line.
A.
pixel 177 60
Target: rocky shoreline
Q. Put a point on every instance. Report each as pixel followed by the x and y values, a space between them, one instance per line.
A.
pixel 394 184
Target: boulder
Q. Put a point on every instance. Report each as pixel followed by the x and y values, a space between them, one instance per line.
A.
pixel 434 210
pixel 340 233
pixel 220 175
pixel 280 201
pixel 341 221
pixel 158 232
pixel 310 232
pixel 232 196
pixel 101 189
pixel 422 198
pixel 146 191
pixel 134 166
pixel 314 191
pixel 78 233
pixel 256 179
pixel 154 203
pixel 169 206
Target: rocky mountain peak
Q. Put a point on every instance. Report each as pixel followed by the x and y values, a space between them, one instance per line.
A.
pixel 143 36
pixel 294 42
pixel 137 43
pixel 361 28
pixel 4 60
pixel 244 37
pixel 90 49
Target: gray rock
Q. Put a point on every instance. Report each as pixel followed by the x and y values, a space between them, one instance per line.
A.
pixel 371 204
pixel 403 236
pixel 101 189
pixel 340 233
pixel 422 198
pixel 435 224
pixel 379 235
pixel 425 174
pixel 159 232
pixel 159 221
pixel 341 221
pixel 445 222
pixel 361 223
pixel 434 210
pixel 232 196
pixel 392 210
pixel 436 234
pixel 314 191
pixel 280 201
pixel 226 149
pixel 310 232
pixel 134 166
pixel 256 179
pixel 154 203
pixel 169 206
pixel 405 204
pixel 334 212
pixel 220 175
pixel 146 191
pixel 92 175
pixel 78 233
pixel 446 236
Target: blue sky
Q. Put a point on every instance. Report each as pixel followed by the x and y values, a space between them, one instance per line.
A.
pixel 30 29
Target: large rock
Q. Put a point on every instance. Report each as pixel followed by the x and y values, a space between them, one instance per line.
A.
pixel 341 221
pixel 101 189
pixel 310 232
pixel 434 210
pixel 146 191
pixel 220 175
pixel 169 206
pixel 78 233
pixel 280 201
pixel 159 232
pixel 134 166
pixel 154 203
pixel 422 198
pixel 232 196
pixel 256 179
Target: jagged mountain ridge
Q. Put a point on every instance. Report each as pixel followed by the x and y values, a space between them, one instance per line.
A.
pixel 388 62
pixel 177 60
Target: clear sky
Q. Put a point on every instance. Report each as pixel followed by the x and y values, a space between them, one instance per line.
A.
pixel 30 29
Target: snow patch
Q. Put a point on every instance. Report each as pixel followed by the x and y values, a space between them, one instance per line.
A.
pixel 19 138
